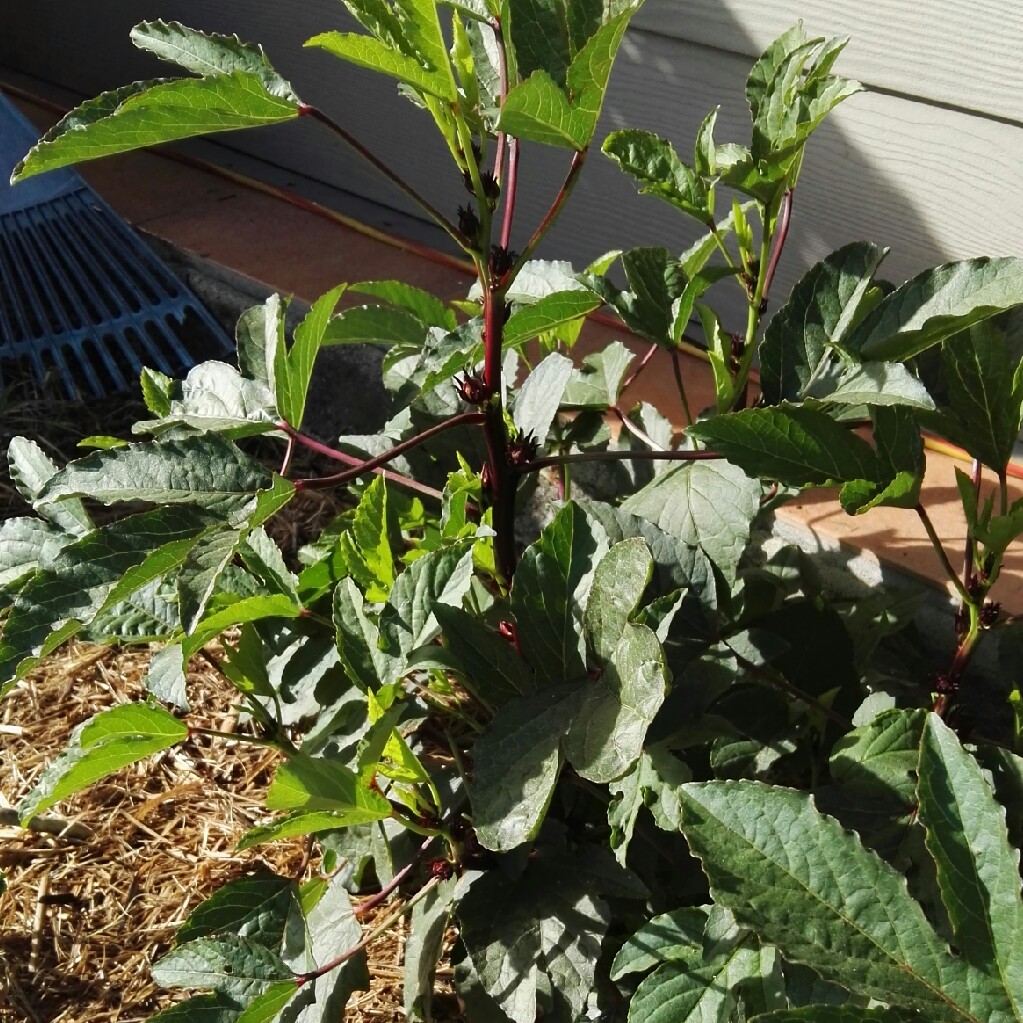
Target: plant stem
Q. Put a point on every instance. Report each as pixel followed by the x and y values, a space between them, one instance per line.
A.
pixel 939 549
pixel 635 430
pixel 619 456
pixel 374 900
pixel 509 185
pixel 676 369
pixel 381 928
pixel 975 476
pixel 289 452
pixel 354 460
pixel 251 740
pixel 781 235
pixel 642 365
pixel 463 418
pixel 428 208
pixel 578 159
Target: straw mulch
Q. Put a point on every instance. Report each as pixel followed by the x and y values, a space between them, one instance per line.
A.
pixel 88 912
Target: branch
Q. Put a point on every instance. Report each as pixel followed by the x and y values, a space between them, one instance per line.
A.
pixel 631 378
pixel 676 369
pixel 578 159
pixel 392 176
pixel 375 900
pixel 372 464
pixel 618 456
pixel 509 185
pixel 932 535
pixel 636 432
pixel 779 242
pixel 354 460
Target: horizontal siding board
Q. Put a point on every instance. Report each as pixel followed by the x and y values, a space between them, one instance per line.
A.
pixel 965 54
pixel 933 183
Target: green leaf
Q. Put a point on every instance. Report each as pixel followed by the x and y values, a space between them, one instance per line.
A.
pixel 551 584
pixel 260 337
pixel 209 53
pixel 674 935
pixel 31 469
pixel 236 967
pixel 421 304
pixel 835 1014
pixel 695 991
pixel 375 324
pixel 598 382
pixel 368 545
pixel 517 760
pixel 90 575
pixel 294 368
pixel 819 313
pixel 408 45
pixel 797 446
pixel 936 304
pixel 978 871
pixel 539 110
pixel 779 865
pixel 313 783
pixel 157 389
pixel 706 504
pixel 266 1008
pixel 165 677
pixel 901 464
pixel 652 783
pixel 148 113
pixel 548 313
pixel 495 671
pixel 984 394
pixel 200 1009
pixel 657 281
pixel 105 743
pixel 299 823
pixel 655 165
pixel 26 545
pixel 539 396
pixel 423 948
pixel 205 471
pixel 607 732
pixel 535 939
pixel 880 383
pixel 358 641
pixel 200 571
pixel 238 612
pixel 254 907
pixel 316 936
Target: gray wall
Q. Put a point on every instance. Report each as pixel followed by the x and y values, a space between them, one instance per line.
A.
pixel 929 162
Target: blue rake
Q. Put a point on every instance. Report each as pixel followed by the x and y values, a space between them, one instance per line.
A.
pixel 80 293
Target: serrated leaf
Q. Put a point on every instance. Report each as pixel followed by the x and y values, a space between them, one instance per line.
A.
pixel 253 907
pixel 441 577
pixel 149 113
pixel 536 937
pixel 984 395
pixel 27 544
pixel 238 968
pixel 819 312
pixel 778 864
pixel 901 464
pixel 978 871
pixel 698 992
pixel 547 314
pixel 260 336
pixel 517 760
pixel 539 396
pixel 936 304
pixel 266 1008
pixel 674 935
pixel 551 585
pixel 238 612
pixel 880 383
pixel 205 471
pixel 31 469
pixel 301 822
pixel 105 743
pixel 165 677
pixel 835 1014
pixel 358 641
pixel 157 390
pixel 598 382
pixel 423 948
pixel 539 110
pixel 422 305
pixel 651 782
pixel 314 783
pixel 375 324
pixel 317 935
pixel 657 169
pixel 90 575
pixel 264 559
pixel 200 571
pixel 709 504
pixel 208 53
pixel 495 671
pixel 791 444
pixel 425 68
pixel 608 729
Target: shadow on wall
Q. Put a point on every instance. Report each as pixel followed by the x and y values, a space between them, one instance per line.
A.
pixel 880 168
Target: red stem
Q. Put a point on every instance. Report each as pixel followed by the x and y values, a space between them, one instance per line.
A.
pixel 636 432
pixel 371 464
pixel 631 378
pixel 578 159
pixel 779 242
pixel 374 900
pixel 350 140
pixel 618 456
